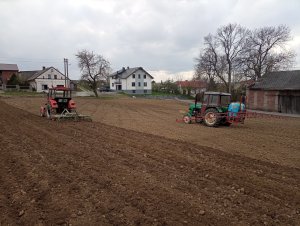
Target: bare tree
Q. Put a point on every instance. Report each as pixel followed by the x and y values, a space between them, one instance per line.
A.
pixel 235 53
pixel 210 64
pixel 232 39
pixel 94 68
pixel 266 51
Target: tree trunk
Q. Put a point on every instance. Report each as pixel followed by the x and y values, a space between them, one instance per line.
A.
pixel 95 92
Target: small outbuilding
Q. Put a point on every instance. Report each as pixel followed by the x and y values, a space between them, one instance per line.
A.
pixel 6 71
pixel 276 91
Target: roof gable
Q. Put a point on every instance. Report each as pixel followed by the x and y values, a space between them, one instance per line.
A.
pixel 44 71
pixel 125 73
pixel 279 80
pixel 9 67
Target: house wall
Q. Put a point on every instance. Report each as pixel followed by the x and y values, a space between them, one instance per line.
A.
pixel 48 78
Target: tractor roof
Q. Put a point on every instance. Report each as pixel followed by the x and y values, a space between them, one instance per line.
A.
pixel 60 88
pixel 218 93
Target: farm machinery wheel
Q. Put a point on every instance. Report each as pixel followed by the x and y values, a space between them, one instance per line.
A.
pixel 49 112
pixel 42 112
pixel 187 119
pixel 211 118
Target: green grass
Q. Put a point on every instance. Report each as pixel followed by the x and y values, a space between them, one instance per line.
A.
pixel 170 95
pixel 21 93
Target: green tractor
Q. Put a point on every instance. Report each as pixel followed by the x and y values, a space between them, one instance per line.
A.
pixel 216 109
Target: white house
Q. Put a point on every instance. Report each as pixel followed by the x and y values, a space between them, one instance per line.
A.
pixel 131 80
pixel 44 79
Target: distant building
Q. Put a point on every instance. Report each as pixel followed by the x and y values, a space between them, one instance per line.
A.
pixel 276 91
pixel 6 71
pixel 42 80
pixel 191 87
pixel 131 80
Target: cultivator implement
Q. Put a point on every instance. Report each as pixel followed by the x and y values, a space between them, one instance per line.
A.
pixel 229 117
pixel 71 116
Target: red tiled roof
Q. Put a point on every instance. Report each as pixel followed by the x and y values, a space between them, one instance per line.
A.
pixel 192 84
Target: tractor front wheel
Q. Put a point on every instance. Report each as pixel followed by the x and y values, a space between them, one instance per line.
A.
pixel 211 118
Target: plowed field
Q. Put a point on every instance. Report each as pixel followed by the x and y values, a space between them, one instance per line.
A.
pixel 135 166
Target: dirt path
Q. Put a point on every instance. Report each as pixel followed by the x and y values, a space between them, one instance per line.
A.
pixel 92 173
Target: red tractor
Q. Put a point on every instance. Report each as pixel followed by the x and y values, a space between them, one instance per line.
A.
pixel 60 105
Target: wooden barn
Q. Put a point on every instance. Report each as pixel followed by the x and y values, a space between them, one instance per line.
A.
pixel 6 71
pixel 276 91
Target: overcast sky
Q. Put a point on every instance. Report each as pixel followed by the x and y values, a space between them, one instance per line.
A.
pixel 162 36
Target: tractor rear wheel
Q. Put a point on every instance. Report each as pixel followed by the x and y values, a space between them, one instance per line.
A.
pixel 211 118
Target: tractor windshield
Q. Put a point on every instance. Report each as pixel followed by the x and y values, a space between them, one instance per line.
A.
pixel 59 93
pixel 225 100
pixel 62 94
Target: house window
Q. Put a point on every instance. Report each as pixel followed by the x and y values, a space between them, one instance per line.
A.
pixel 55 76
pixel 139 84
pixel 145 91
pixel 52 70
pixel 133 91
pixel 44 87
pixel 144 76
pixel 49 76
pixel 139 76
pixel 43 77
pixel 133 76
pixel 113 84
pixel 133 84
pixel 145 83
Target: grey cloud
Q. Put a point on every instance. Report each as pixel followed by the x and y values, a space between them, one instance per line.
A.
pixel 158 35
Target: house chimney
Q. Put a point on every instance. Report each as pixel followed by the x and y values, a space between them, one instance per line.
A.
pixel 123 68
pixel 44 67
pixel 127 67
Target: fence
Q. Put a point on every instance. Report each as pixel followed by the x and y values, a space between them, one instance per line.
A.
pixel 15 88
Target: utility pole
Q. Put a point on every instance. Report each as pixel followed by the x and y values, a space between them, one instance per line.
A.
pixel 66 71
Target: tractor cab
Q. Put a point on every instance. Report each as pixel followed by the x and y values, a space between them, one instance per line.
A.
pixel 218 100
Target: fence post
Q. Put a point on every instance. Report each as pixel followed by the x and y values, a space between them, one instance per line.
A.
pixel 17 87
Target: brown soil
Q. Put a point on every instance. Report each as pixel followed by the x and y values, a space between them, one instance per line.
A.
pixel 97 174
pixel 273 140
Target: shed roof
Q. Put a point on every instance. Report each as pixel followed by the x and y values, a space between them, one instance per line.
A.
pixel 25 75
pixel 279 80
pixel 9 67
